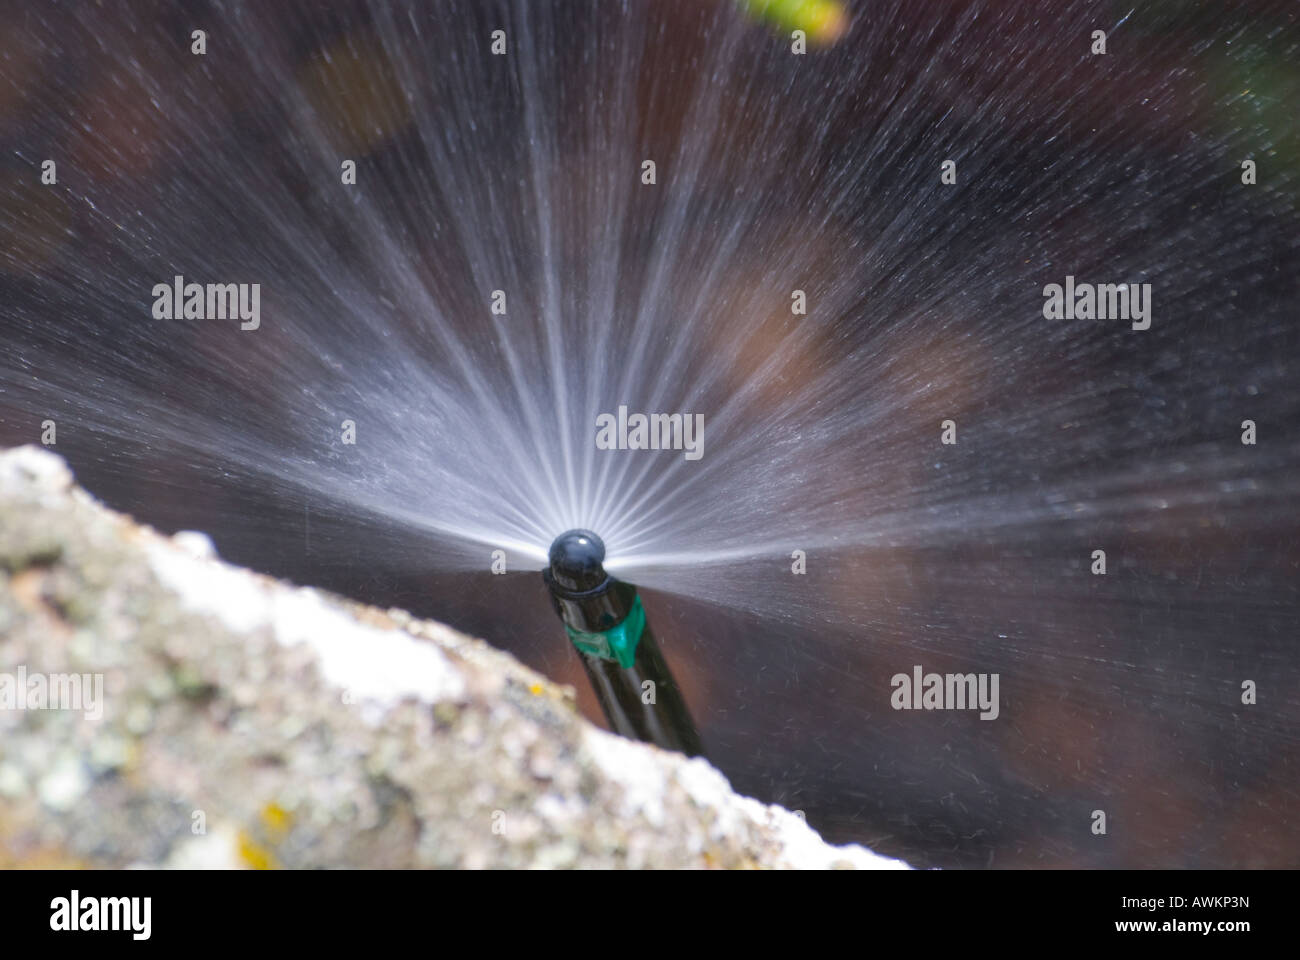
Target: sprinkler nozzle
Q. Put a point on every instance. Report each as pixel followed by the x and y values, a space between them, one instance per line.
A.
pixel 588 600
pixel 576 561
pixel 607 626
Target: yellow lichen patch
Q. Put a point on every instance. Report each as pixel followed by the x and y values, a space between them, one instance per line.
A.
pixel 253 855
pixel 276 821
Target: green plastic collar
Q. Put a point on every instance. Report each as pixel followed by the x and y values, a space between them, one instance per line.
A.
pixel 618 643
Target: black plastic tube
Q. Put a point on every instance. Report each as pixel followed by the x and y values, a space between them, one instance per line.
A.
pixel 606 623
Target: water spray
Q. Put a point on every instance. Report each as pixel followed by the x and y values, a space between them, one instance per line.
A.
pixel 607 624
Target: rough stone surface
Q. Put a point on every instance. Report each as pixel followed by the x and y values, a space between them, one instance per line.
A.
pixel 244 722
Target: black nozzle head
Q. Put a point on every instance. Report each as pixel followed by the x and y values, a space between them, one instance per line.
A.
pixel 577 562
pixel 584 595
